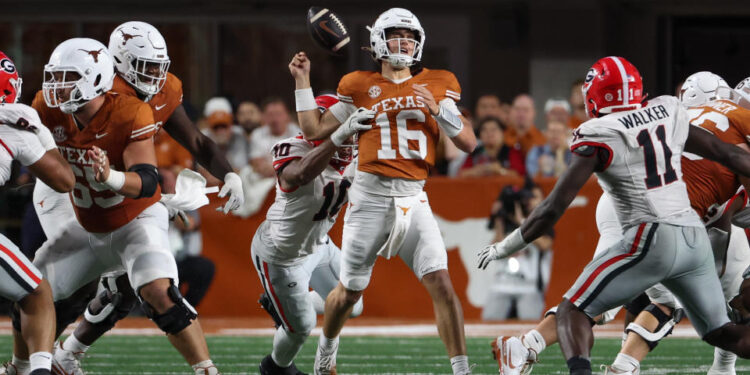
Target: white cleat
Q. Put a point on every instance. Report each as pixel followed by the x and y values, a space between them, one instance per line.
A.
pixel 10 369
pixel 210 370
pixel 512 357
pixel 712 371
pixel 325 361
pixel 66 362
pixel 611 370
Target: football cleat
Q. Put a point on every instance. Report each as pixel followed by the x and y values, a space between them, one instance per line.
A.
pixel 266 304
pixel 269 367
pixel 611 370
pixel 9 369
pixel 712 371
pixel 325 361
pixel 209 370
pixel 512 357
pixel 66 362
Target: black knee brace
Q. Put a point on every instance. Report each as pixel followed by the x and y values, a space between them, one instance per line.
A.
pixel 653 338
pixel 110 306
pixel 637 304
pixel 177 318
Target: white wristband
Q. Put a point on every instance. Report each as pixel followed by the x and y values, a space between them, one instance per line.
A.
pixel 514 241
pixel 115 181
pixel 305 100
pixel 449 121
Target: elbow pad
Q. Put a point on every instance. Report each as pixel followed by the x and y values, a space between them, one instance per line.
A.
pixel 149 179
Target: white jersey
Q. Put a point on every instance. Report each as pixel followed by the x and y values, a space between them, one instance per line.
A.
pixel 299 219
pixel 19 144
pixel 643 174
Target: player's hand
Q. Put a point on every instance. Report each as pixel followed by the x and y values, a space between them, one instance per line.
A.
pixel 300 69
pixel 425 97
pixel 100 163
pixel 490 253
pixel 357 122
pixel 233 187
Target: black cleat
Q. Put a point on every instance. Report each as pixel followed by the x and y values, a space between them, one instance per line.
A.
pixel 267 305
pixel 269 367
pixel 41 371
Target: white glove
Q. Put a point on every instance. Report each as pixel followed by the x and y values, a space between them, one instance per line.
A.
pixel 357 122
pixel 510 245
pixel 173 213
pixel 233 186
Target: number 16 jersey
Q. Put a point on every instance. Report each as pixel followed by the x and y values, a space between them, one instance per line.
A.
pixel 643 174
pixel 300 218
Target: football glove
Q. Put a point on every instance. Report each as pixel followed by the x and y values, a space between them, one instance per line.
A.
pixel 510 245
pixel 233 187
pixel 357 122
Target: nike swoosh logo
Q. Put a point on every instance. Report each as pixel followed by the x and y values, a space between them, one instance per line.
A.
pixel 98 136
pixel 159 107
pixel 323 25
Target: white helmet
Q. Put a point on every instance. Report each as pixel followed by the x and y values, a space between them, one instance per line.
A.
pixel 396 18
pixel 140 54
pixel 702 87
pixel 743 91
pixel 81 65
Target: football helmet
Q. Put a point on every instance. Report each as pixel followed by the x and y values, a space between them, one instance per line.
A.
pixel 743 91
pixel 702 87
pixel 396 18
pixel 10 82
pixel 348 150
pixel 612 84
pixel 140 54
pixel 80 69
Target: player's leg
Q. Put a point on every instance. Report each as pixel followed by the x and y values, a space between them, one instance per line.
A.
pixel 22 282
pixel 325 265
pixel 143 248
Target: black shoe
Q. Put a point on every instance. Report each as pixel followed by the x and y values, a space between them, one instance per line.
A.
pixel 267 305
pixel 41 371
pixel 269 367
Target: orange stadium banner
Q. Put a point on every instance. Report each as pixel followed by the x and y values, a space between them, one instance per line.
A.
pixel 462 208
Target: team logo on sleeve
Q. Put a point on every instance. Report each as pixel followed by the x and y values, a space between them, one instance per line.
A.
pixel 374 91
pixel 58 133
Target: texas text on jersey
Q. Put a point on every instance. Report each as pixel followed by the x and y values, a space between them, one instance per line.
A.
pixel 162 103
pixel 403 142
pixel 121 120
pixel 710 184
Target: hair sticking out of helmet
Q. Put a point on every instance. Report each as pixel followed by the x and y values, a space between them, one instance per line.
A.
pixel 140 55
pixel 702 87
pixel 399 51
pixel 10 82
pixel 612 84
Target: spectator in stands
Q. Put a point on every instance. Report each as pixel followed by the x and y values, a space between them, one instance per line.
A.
pixel 488 105
pixel 520 281
pixel 493 157
pixel 576 101
pixel 557 110
pixel 248 116
pixel 277 125
pixel 552 158
pixel 522 134
pixel 221 129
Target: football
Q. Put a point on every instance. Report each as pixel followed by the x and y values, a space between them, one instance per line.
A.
pixel 327 30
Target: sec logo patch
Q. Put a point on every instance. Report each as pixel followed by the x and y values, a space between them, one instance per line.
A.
pixel 374 91
pixel 58 133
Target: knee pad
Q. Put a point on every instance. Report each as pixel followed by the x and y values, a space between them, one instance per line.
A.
pixel 666 323
pixel 177 318
pixel 110 306
pixel 638 304
pixel 69 309
pixel 358 308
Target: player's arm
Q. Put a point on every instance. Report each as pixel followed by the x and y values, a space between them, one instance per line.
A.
pixel 207 153
pixel 703 143
pixel 314 125
pixel 301 171
pixel 455 126
pixel 141 179
pixel 54 171
pixel 548 212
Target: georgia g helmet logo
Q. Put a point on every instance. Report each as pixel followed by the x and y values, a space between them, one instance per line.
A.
pixel 7 66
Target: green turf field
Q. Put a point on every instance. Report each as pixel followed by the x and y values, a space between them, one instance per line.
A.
pixel 369 355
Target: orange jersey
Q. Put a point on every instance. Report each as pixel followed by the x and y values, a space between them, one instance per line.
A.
pixel 403 142
pixel 169 153
pixel 121 120
pixel 709 183
pixel 163 103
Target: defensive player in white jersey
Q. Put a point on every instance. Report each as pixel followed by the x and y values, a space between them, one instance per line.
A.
pixel 291 249
pixel 24 138
pixel 389 213
pixel 635 149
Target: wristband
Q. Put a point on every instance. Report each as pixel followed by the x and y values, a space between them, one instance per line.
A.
pixel 115 181
pixel 449 121
pixel 305 100
pixel 514 241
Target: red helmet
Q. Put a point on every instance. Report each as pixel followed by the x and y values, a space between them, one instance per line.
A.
pixel 325 101
pixel 10 83
pixel 612 84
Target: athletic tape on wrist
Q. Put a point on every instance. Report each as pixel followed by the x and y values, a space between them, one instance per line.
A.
pixel 305 100
pixel 115 181
pixel 449 121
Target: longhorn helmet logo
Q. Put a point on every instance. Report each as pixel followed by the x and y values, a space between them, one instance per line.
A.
pixel 94 54
pixel 126 36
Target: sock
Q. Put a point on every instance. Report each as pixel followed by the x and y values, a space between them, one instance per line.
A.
pixel 328 345
pixel 460 364
pixel 72 344
pixel 40 360
pixel 534 341
pixel 625 362
pixel 579 366
pixel 286 346
pixel 723 360
pixel 22 365
pixel 203 365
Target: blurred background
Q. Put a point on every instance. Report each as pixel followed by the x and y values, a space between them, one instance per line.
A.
pixel 519 64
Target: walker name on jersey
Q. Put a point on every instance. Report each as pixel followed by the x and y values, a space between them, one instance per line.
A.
pixel 397 103
pixel 644 116
pixel 76 155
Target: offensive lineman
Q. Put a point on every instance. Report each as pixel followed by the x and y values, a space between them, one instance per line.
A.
pixel 24 138
pixel 292 247
pixel 635 151
pixel 412 108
